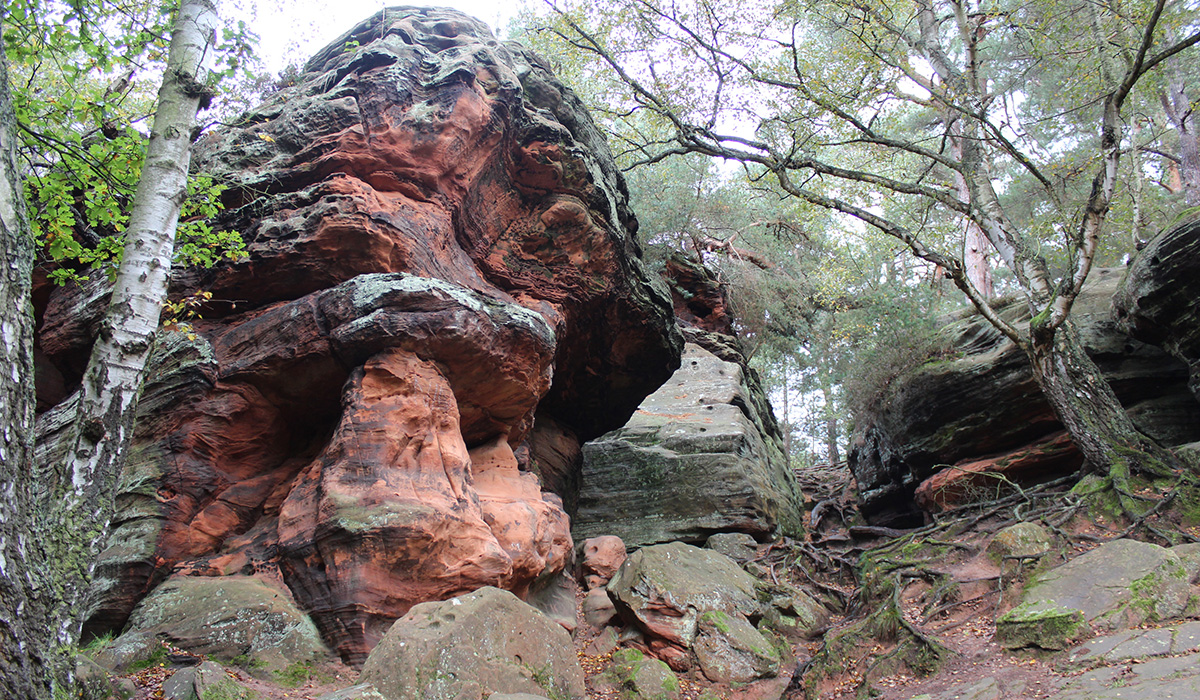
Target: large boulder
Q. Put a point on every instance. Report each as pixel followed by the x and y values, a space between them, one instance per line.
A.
pixel 696 603
pixel 696 458
pixel 471 646
pixel 438 243
pixel 1119 585
pixel 978 409
pixel 1157 300
pixel 225 617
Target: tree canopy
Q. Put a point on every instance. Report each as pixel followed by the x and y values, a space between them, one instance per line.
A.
pixel 965 130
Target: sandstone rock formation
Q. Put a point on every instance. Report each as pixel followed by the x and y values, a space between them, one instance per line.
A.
pixel 703 454
pixel 1157 300
pixel 443 298
pixel 981 412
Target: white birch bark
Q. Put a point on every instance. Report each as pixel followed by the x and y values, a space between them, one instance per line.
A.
pixel 65 508
pixel 17 603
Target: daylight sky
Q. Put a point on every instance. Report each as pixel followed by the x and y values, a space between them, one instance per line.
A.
pixel 292 30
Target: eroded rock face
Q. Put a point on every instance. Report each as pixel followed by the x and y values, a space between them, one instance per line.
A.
pixel 1157 299
pixel 983 413
pixel 443 299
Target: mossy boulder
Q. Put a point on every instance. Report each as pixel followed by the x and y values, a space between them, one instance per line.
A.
pixel 1042 625
pixel 224 617
pixel 1020 540
pixel 665 589
pixel 792 612
pixel 1119 585
pixel 208 681
pixel 730 650
pixel 471 647
pixel 94 682
pixel 643 677
pixel 1016 545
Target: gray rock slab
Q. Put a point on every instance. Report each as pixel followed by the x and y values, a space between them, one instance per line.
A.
pixel 1171 678
pixel 1187 638
pixel 1151 643
pixel 1119 585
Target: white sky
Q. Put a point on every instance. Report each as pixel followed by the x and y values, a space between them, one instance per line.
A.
pixel 291 31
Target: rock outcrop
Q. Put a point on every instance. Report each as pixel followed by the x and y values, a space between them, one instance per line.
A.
pixel 1156 302
pixel 701 455
pixel 1119 585
pixel 443 298
pixel 982 413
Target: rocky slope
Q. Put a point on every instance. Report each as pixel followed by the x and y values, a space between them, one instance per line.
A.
pixel 443 293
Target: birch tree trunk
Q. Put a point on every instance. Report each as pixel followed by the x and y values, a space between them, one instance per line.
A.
pixel 18 668
pixel 65 508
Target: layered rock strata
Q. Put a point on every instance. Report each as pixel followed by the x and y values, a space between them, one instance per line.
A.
pixel 1156 302
pixel 942 432
pixel 701 455
pixel 443 297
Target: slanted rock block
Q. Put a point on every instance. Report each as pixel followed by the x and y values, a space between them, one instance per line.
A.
pixel 694 460
pixel 1119 585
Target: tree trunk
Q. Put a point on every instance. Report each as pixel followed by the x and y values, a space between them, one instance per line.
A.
pixel 66 507
pixel 832 452
pixel 1181 114
pixel 22 664
pixel 1184 121
pixel 1093 416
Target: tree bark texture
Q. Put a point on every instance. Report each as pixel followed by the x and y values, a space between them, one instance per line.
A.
pixel 22 665
pixel 66 505
pixel 1089 409
pixel 1181 113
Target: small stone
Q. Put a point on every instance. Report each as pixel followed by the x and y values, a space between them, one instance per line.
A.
pixel 604 642
pixel 598 608
pixel 602 556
